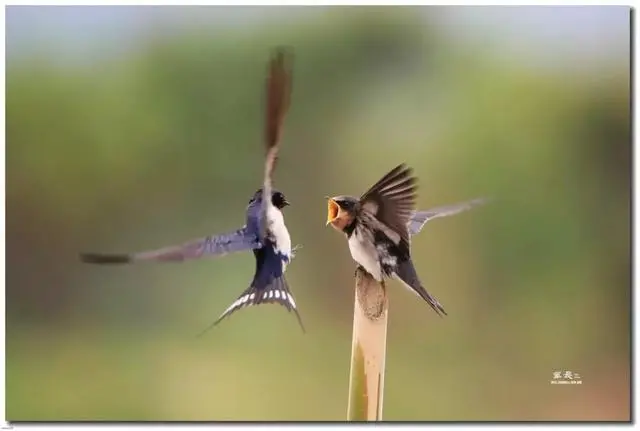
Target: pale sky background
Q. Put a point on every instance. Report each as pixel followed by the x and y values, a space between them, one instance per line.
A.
pixel 563 36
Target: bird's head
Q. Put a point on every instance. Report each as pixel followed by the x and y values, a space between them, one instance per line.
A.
pixel 278 198
pixel 341 210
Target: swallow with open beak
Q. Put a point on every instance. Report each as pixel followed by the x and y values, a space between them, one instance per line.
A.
pixel 378 226
pixel 264 232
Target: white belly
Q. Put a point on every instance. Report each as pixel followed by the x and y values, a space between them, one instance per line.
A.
pixel 364 252
pixel 278 231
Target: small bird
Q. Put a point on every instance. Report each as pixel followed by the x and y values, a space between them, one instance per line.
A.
pixel 378 226
pixel 264 232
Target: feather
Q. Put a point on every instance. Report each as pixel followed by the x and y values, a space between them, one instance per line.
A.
pixel 219 245
pixel 392 200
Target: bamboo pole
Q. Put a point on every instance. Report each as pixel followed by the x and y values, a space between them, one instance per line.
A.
pixel 368 349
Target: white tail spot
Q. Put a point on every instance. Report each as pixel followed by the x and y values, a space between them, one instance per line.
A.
pixel 253 295
pixel 277 293
pixel 291 301
pixel 271 294
pixel 265 294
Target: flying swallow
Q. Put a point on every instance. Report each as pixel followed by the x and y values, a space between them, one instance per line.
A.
pixel 264 232
pixel 378 226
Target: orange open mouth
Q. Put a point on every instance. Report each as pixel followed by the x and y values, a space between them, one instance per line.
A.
pixel 332 210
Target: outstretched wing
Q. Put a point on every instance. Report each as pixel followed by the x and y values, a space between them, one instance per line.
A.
pixel 278 88
pixel 219 245
pixel 420 218
pixel 391 200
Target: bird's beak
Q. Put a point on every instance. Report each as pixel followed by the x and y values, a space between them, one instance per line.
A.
pixel 333 210
pixel 286 203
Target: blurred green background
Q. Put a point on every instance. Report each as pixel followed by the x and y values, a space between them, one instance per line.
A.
pixel 152 136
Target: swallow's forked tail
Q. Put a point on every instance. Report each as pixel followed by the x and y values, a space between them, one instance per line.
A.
pixel 407 274
pixel 275 292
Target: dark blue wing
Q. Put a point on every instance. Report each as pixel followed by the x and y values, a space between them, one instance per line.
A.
pixel 278 87
pixel 239 240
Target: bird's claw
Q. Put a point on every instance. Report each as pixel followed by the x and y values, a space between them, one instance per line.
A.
pixel 358 268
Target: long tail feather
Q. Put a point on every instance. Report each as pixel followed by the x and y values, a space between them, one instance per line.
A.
pixel 407 274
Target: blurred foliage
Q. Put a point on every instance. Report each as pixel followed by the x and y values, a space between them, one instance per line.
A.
pixel 162 144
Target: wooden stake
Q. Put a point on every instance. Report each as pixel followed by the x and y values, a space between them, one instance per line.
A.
pixel 368 350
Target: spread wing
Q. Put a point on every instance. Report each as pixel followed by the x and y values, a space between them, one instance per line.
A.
pixel 219 245
pixel 420 218
pixel 392 200
pixel 278 88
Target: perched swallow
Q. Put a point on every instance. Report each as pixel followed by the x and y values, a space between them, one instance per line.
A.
pixel 378 226
pixel 264 232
